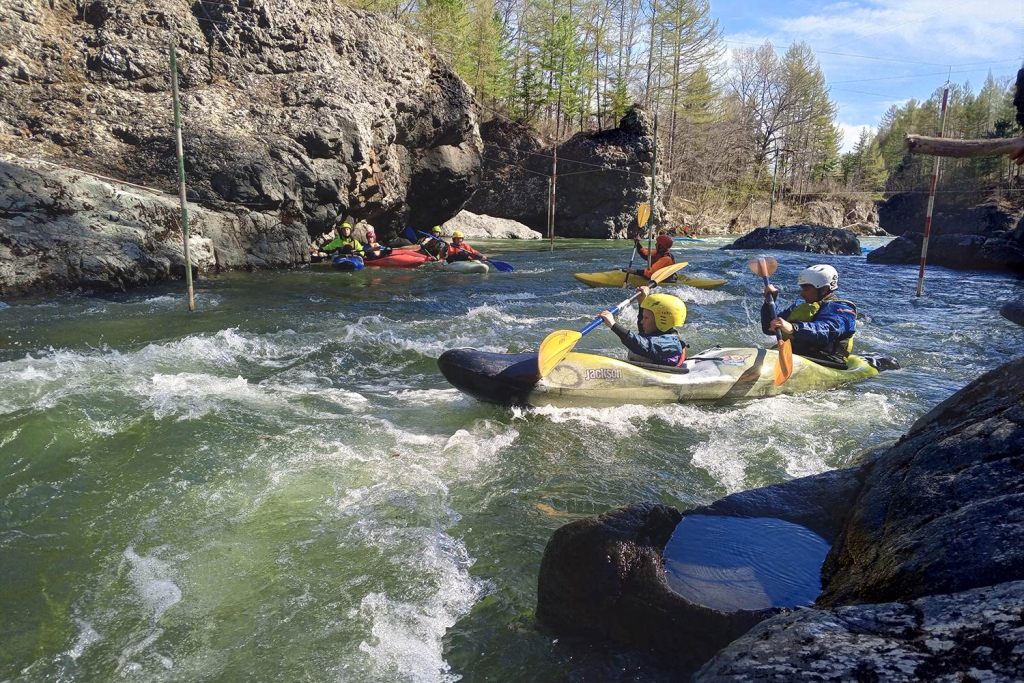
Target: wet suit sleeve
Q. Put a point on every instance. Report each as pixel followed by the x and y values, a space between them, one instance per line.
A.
pixel 834 321
pixel 766 316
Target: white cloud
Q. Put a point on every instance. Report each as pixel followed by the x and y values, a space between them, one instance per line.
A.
pixel 851 133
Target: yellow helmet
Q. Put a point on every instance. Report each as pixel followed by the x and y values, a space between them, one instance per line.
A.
pixel 458 233
pixel 669 311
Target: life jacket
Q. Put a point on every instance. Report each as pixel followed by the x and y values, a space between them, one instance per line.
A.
pixel 659 261
pixel 671 361
pixel 354 246
pixel 835 351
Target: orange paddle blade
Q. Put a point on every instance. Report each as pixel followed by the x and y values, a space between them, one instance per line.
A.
pixel 784 365
pixel 763 267
pixel 554 348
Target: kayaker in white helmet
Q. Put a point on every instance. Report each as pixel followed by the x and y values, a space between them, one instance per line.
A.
pixel 823 326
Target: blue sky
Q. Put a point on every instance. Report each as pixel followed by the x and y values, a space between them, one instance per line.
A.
pixel 904 48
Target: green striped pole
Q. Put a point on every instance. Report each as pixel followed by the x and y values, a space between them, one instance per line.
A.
pixel 181 175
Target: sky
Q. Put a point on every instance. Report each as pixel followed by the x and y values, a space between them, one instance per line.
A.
pixel 878 53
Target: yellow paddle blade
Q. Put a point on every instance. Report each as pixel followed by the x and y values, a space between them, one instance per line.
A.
pixel 763 267
pixel 554 348
pixel 784 365
pixel 643 212
pixel 663 274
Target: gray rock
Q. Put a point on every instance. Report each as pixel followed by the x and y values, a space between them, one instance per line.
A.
pixel 602 178
pixel 489 227
pixel 305 113
pixel 605 577
pixel 816 239
pixel 943 510
pixel 1013 311
pixel 971 635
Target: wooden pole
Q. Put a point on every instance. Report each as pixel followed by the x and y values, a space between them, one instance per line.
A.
pixel 551 235
pixel 931 197
pixel 554 194
pixel 181 174
pixel 771 200
pixel 654 186
pixel 944 147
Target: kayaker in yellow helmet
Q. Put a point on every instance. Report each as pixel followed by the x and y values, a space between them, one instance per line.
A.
pixel 657 339
pixel 460 251
pixel 434 246
pixel 822 327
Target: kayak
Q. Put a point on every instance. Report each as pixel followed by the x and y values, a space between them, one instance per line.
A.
pixel 581 379
pixel 613 278
pixel 467 267
pixel 400 259
pixel 686 239
pixel 347 263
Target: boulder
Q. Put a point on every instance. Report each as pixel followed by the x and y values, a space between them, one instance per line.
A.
pixel 974 635
pixel 815 239
pixel 605 577
pixel 943 510
pixel 602 178
pixel 1013 311
pixel 489 227
pixel 302 114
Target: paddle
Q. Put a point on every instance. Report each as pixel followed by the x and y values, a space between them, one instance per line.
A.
pixel 558 344
pixel 764 268
pixel 643 212
pixel 498 265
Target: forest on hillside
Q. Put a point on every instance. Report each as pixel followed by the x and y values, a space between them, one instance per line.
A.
pixel 730 121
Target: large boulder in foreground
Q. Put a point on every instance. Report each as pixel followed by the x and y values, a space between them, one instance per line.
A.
pixel 305 112
pixel 814 239
pixel 602 177
pixel 488 227
pixel 975 635
pixel 942 510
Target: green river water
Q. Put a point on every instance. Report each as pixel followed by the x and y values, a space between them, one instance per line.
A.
pixel 282 486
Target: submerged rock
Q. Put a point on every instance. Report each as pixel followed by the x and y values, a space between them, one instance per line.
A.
pixel 602 178
pixel 1013 311
pixel 816 239
pixel 489 227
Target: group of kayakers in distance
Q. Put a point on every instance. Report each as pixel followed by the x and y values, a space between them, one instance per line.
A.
pixel 432 245
pixel 821 328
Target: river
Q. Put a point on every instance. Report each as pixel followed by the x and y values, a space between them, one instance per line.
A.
pixel 282 486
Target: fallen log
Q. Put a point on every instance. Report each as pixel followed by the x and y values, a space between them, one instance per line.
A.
pixel 945 147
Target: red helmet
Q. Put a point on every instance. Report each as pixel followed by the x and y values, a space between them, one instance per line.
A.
pixel 664 242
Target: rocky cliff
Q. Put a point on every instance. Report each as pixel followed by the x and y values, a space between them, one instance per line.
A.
pixel 298 112
pixel 602 178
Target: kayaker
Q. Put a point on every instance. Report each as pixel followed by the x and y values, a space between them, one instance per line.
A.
pixel 656 340
pixel 344 243
pixel 374 249
pixel 822 327
pixel 662 255
pixel 434 247
pixel 460 251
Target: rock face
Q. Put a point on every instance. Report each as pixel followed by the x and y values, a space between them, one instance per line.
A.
pixel 602 178
pixel 1013 311
pixel 64 230
pixel 305 112
pixel 973 635
pixel 604 576
pixel 489 227
pixel 989 236
pixel 815 239
pixel 924 522
pixel 843 212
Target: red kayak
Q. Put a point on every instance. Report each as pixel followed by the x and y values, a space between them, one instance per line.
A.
pixel 399 259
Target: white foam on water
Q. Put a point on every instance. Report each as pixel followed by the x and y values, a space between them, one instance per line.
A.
pixel 87 635
pixel 478 445
pixel 701 297
pixel 407 629
pixel 190 395
pixel 153 585
pixel 431 397
pixel 619 420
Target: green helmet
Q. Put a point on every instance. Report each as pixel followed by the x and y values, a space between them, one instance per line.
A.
pixel 436 230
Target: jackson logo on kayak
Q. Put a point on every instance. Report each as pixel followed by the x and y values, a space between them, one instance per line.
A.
pixel 733 360
pixel 603 373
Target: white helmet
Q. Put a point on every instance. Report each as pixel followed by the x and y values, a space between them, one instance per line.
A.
pixel 819 276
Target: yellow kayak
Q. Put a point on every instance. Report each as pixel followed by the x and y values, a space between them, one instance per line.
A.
pixel 613 278
pixel 582 379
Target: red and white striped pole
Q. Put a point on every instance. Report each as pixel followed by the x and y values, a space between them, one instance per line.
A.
pixel 554 196
pixel 931 197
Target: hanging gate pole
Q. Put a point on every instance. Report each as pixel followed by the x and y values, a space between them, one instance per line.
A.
pixel 771 200
pixel 181 175
pixel 554 195
pixel 931 197
pixel 654 185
